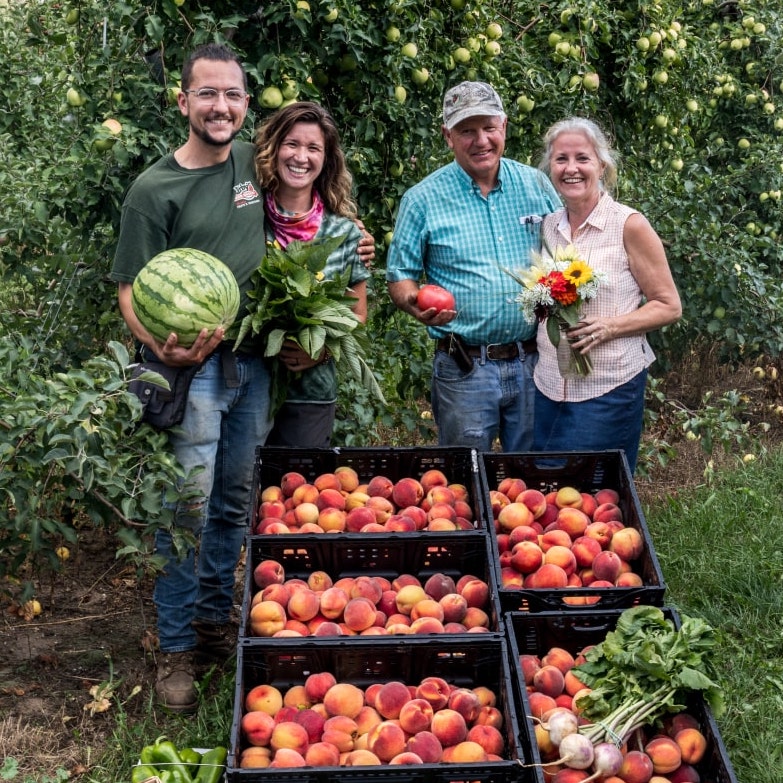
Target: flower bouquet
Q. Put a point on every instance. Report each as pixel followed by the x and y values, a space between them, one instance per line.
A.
pixel 554 288
pixel 290 299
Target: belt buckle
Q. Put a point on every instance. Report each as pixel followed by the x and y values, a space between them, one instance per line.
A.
pixel 489 348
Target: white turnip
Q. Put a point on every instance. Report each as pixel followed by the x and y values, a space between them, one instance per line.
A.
pixel 561 722
pixel 576 751
pixel 607 760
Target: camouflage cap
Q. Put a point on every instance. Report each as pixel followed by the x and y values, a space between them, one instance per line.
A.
pixel 470 99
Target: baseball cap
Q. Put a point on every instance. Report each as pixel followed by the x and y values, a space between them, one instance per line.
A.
pixel 470 99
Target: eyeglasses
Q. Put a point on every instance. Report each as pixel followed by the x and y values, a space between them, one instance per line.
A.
pixel 210 95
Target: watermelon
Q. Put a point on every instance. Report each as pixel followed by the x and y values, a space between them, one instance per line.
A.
pixel 183 290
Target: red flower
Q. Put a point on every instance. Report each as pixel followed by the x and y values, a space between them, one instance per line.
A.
pixel 563 291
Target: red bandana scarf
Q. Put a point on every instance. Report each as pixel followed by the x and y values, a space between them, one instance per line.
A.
pixel 289 228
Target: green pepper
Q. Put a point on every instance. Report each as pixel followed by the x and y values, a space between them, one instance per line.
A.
pixel 212 763
pixel 146 755
pixel 166 756
pixel 142 772
pixel 191 758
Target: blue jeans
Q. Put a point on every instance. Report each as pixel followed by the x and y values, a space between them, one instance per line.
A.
pixel 612 421
pixel 495 399
pixel 222 427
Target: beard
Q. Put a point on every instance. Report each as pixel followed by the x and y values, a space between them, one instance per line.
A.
pixel 207 138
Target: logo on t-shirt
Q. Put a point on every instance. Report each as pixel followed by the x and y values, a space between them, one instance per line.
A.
pixel 245 193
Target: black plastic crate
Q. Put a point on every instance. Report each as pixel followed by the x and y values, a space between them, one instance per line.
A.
pixel 480 660
pixel 353 554
pixel 459 465
pixel 587 472
pixel 535 634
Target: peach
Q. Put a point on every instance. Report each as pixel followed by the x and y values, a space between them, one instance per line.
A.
pixel 359 517
pixel 438 585
pixel 290 481
pixel 449 727
pixel 322 754
pixel 475 618
pixel 535 500
pixel 356 500
pixel 408 596
pixel 460 492
pixel 359 613
pixel 407 757
pixel 428 607
pixel 540 704
pixel 276 528
pixel 255 758
pixel 637 767
pixel 629 579
pixel 415 716
pixel 521 533
pixel 529 664
pixel 512 487
pixel 475 592
pixel 526 556
pixel 549 680
pixel 366 587
pixel 685 773
pixel 280 593
pixel 561 556
pixel 367 718
pixel 573 520
pixel 600 531
pixel 435 690
pixel 441 525
pixel 340 731
pixel 465 752
pixel 333 602
pixel 497 502
pixel 463 509
pixel 330 520
pixel 381 507
pixel 303 605
pixel 510 578
pixel 390 698
pixel 402 580
pixel 257 726
pixel 387 602
pixel 371 693
pixel 454 607
pixel 569 775
pixel 572 683
pixel 407 492
pixel 627 544
pixel 321 627
pixel 386 740
pixel 380 486
pixel 441 511
pixel 360 758
pixel 568 496
pixel 679 721
pixel 327 481
pixel 560 657
pixel 305 513
pixel 489 716
pixel 288 734
pixel 312 721
pixel 417 514
pixel 607 495
pixel 589 504
pixel 330 498
pixel 266 618
pixel 606 566
pixel 348 477
pixel 489 737
pixel 344 698
pixel 554 537
pixel 272 493
pixel 549 575
pixel 399 523
pixel 433 478
pixel 306 493
pixel 317 684
pixel 585 549
pixel 296 696
pixel 286 758
pixel 425 745
pixel 514 515
pixel 273 509
pixel 268 572
pixel 465 702
pixel 693 745
pixel 607 512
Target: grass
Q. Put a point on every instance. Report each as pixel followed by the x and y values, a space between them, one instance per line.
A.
pixel 720 547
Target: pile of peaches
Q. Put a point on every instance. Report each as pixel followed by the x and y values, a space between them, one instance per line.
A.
pixel 565 538
pixel 326 723
pixel 339 501
pixel 666 756
pixel 367 605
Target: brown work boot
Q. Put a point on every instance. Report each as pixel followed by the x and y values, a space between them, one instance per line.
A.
pixel 215 644
pixel 174 685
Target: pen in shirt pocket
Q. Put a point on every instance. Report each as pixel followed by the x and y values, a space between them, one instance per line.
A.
pixel 532 223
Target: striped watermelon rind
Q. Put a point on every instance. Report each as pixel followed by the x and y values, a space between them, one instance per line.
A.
pixel 184 290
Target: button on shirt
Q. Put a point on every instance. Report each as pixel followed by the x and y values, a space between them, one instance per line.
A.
pixel 448 232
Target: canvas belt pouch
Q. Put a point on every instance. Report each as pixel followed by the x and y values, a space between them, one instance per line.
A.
pixel 161 407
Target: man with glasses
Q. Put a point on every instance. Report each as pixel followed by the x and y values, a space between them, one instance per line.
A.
pixel 204 195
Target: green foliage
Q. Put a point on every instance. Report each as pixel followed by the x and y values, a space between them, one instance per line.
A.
pixel 690 92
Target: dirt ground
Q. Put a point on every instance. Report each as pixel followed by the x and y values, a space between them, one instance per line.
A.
pixel 97 619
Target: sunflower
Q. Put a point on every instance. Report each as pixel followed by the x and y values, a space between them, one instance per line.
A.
pixel 578 272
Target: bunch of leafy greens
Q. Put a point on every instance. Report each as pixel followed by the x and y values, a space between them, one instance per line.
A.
pixel 643 669
pixel 290 299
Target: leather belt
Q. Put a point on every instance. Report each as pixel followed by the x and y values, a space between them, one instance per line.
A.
pixel 494 351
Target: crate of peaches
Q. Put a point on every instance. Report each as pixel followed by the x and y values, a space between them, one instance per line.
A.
pixel 369 586
pixel 356 490
pixel 619 696
pixel 569 532
pixel 408 710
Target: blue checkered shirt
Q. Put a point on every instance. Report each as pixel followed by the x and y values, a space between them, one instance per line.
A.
pixel 449 234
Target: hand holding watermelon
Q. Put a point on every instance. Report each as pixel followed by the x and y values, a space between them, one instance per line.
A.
pixel 183 290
